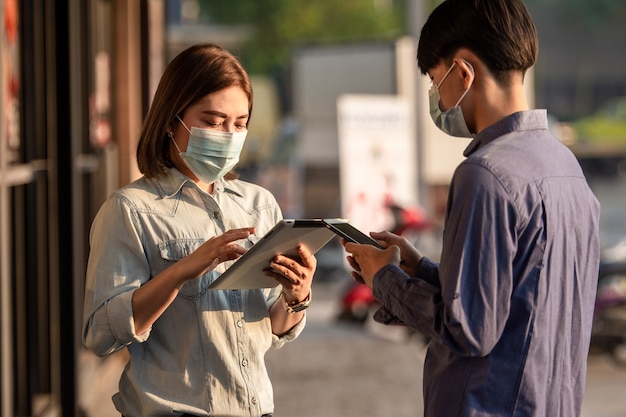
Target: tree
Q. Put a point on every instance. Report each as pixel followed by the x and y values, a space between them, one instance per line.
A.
pixel 278 25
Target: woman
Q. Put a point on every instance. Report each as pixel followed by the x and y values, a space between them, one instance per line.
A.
pixel 157 243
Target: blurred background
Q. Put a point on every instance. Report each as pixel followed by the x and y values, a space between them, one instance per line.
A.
pixel 340 129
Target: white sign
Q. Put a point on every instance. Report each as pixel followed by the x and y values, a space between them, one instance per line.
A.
pixel 377 158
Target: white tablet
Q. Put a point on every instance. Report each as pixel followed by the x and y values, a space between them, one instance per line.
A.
pixel 283 238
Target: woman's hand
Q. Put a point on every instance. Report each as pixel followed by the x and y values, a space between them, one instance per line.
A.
pixel 215 251
pixel 151 299
pixel 295 275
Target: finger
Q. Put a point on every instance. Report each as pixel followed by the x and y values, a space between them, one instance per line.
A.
pixel 231 248
pixel 230 251
pixel 236 234
pixel 357 277
pixel 380 238
pixel 351 247
pixel 307 258
pixel 384 236
pixel 290 263
pixel 282 275
pixel 241 231
pixel 353 263
pixel 295 270
pixel 394 250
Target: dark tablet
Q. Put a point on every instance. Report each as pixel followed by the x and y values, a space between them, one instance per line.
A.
pixel 350 233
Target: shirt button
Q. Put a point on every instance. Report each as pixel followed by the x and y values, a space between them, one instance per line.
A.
pixel 244 362
pixel 239 323
pixel 253 400
pixel 216 214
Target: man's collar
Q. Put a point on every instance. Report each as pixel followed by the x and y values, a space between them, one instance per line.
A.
pixel 519 121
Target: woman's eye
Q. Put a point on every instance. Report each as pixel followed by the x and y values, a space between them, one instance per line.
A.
pixel 214 124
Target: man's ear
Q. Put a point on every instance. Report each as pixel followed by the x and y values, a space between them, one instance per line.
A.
pixel 467 71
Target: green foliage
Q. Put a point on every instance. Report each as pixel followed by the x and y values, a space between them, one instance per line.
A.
pixel 606 127
pixel 277 25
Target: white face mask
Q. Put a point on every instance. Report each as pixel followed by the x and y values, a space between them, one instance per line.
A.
pixel 451 121
pixel 210 153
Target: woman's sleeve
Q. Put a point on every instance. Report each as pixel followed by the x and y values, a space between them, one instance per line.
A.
pixel 116 267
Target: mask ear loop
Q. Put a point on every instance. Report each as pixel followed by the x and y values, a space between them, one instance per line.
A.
pixel 445 75
pixel 183 123
pixel 171 136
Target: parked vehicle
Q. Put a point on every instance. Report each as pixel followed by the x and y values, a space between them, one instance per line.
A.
pixel 357 301
pixel 609 324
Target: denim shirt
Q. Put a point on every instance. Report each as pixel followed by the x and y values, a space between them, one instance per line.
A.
pixel 205 354
pixel 510 305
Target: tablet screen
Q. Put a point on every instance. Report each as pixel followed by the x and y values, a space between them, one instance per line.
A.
pixel 283 238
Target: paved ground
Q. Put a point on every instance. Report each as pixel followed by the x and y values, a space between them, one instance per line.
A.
pixel 342 370
pixel 338 370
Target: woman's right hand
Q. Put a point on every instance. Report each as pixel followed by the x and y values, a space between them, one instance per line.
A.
pixel 215 251
pixel 152 298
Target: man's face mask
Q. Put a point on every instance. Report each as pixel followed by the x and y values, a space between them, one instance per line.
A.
pixel 451 121
pixel 210 153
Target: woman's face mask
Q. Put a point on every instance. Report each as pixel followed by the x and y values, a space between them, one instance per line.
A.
pixel 451 121
pixel 210 153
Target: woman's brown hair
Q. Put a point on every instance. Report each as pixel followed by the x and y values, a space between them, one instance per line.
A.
pixel 194 73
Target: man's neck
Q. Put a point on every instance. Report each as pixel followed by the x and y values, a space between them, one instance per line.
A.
pixel 500 103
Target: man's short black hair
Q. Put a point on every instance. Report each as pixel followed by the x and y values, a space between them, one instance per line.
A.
pixel 500 32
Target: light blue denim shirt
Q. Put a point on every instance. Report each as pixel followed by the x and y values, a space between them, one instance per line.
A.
pixel 205 354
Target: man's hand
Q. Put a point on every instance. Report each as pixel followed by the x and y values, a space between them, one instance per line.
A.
pixel 411 257
pixel 366 260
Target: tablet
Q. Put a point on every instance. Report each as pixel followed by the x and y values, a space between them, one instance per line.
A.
pixel 283 238
pixel 350 233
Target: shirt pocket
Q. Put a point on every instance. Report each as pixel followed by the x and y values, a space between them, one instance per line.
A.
pixel 173 251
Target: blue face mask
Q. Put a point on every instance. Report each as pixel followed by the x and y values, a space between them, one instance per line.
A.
pixel 451 121
pixel 210 153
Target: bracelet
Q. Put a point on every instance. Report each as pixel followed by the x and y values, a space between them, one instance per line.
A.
pixel 296 306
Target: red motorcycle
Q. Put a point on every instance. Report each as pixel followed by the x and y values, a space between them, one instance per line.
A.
pixel 357 301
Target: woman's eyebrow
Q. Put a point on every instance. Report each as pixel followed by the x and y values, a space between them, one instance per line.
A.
pixel 223 115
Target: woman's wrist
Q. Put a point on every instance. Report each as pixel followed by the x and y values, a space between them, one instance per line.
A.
pixel 296 305
pixel 291 298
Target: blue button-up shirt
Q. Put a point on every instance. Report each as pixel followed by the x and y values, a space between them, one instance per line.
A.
pixel 205 354
pixel 509 307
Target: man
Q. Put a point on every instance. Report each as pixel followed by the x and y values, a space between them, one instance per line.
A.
pixel 509 307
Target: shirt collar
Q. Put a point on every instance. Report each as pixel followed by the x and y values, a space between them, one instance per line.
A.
pixel 173 180
pixel 520 121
